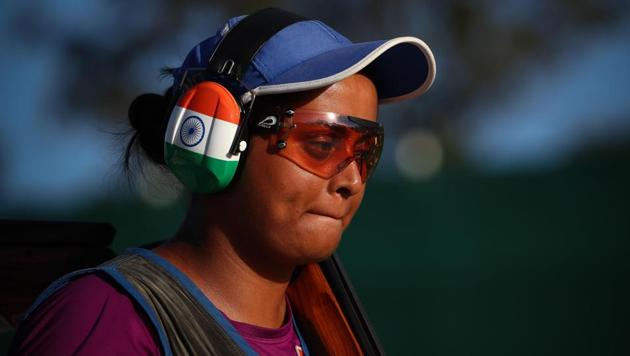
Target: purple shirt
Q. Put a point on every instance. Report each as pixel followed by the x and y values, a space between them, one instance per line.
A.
pixel 90 316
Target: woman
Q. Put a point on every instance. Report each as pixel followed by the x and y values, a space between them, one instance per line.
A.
pixel 305 150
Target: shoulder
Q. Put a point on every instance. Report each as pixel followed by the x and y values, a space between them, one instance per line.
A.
pixel 91 316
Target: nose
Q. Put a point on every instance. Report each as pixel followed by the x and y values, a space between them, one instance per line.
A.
pixel 347 182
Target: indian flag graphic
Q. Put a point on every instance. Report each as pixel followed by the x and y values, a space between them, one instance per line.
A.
pixel 199 135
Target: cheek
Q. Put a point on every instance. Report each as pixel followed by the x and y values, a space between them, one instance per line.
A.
pixel 277 191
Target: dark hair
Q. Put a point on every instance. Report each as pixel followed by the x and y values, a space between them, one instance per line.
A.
pixel 148 117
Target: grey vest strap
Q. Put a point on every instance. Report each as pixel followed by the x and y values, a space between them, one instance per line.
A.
pixel 189 328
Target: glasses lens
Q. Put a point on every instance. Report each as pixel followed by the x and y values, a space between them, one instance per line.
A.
pixel 325 143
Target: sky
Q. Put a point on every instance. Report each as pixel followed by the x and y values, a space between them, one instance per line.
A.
pixel 547 112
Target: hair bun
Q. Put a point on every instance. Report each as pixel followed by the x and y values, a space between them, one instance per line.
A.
pixel 145 109
pixel 147 115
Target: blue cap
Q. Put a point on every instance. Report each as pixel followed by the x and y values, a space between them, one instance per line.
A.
pixel 309 54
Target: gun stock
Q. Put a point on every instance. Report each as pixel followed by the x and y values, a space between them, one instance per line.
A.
pixel 329 314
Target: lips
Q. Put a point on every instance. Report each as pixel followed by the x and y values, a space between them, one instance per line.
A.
pixel 327 214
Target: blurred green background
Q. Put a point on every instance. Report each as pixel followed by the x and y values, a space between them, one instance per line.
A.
pixel 498 220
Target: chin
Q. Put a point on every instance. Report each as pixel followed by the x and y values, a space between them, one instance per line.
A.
pixel 318 247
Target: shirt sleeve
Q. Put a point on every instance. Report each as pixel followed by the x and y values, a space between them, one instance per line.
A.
pixel 89 316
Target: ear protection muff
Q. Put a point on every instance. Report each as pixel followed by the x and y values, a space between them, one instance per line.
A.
pixel 207 128
pixel 199 137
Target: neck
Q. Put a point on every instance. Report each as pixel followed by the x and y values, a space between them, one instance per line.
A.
pixel 239 281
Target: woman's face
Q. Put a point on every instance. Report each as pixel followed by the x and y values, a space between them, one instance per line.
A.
pixel 287 215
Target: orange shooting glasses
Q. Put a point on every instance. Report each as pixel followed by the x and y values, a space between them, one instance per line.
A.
pixel 323 143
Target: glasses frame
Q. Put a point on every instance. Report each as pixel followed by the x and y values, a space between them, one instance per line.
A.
pixel 278 123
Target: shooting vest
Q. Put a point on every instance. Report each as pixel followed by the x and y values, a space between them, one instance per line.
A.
pixel 186 322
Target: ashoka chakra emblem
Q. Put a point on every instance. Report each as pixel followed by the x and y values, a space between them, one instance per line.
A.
pixel 192 131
